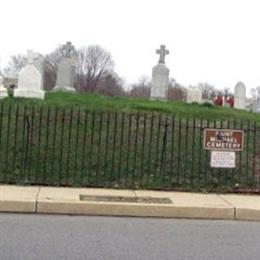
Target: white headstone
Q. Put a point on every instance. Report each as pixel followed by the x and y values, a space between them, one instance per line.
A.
pixel 240 96
pixel 256 106
pixel 30 82
pixel 160 77
pixel 66 73
pixel 3 90
pixel 194 95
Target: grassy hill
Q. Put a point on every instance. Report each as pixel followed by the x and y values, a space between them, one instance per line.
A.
pixel 126 104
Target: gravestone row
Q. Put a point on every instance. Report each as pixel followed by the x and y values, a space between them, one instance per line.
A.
pixel 160 84
pixel 30 79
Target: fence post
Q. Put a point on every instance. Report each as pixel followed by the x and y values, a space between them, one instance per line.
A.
pixel 76 148
pixel 54 141
pixel 142 152
pixel 7 142
pixel 121 145
pixel 99 145
pixel 84 146
pixel 15 138
pixel 69 145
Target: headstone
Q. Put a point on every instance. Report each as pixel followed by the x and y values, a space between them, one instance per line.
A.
pixel 66 71
pixel 160 76
pixel 30 82
pixel 3 90
pixel 194 95
pixel 240 96
pixel 256 106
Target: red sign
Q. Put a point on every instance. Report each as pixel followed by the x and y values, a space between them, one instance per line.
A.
pixel 223 139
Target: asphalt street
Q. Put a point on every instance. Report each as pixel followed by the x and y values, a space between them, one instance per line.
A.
pixel 35 237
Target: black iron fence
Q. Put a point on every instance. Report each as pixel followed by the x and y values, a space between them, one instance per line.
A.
pixel 75 147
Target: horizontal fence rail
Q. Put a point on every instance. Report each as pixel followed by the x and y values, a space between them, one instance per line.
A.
pixel 75 147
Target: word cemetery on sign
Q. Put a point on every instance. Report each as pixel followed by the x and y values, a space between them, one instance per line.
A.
pixel 223 140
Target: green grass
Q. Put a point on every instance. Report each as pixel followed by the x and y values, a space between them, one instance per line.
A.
pixel 127 104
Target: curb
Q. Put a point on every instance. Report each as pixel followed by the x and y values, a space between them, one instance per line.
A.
pixel 134 210
pixel 46 200
pixel 18 206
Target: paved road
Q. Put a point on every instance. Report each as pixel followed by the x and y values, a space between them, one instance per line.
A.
pixel 36 237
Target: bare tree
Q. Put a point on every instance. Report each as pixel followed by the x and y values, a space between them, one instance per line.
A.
pixel 255 93
pixel 208 91
pixel 142 88
pixel 50 68
pixel 176 91
pixel 15 64
pixel 94 65
pixel 111 85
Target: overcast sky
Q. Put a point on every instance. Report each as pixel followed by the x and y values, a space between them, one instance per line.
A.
pixel 214 41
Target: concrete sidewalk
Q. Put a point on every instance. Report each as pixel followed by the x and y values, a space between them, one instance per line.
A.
pixel 51 200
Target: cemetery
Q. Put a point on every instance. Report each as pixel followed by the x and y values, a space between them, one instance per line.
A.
pixel 64 138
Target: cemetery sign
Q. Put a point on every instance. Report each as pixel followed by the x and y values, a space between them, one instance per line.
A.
pixel 223 140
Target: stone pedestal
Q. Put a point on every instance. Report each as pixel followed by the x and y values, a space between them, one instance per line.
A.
pixel 160 82
pixel 3 90
pixel 29 83
pixel 39 94
pixel 65 76
pixel 240 96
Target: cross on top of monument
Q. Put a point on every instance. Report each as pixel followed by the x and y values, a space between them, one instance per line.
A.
pixel 163 52
pixel 31 56
pixel 68 50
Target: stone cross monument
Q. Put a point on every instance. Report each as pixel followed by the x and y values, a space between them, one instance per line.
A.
pixel 3 90
pixel 240 96
pixel 30 80
pixel 160 76
pixel 30 56
pixel 162 52
pixel 66 71
pixel 68 50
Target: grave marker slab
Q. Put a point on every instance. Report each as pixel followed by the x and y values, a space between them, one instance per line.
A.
pixel 194 95
pixel 240 96
pixel 30 80
pixel 66 71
